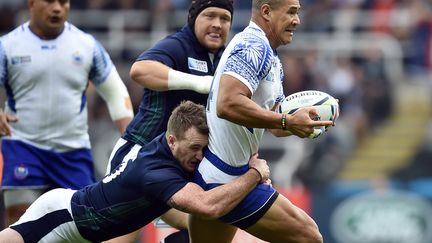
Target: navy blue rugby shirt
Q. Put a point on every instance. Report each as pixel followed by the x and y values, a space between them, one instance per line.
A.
pixel 135 195
pixel 182 52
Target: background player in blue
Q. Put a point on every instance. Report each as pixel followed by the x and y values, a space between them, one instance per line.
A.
pixel 246 90
pixel 149 180
pixel 179 67
pixel 45 67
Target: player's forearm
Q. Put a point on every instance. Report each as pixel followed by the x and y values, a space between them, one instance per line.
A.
pixel 243 111
pixel 116 96
pixel 159 77
pixel 150 74
pixel 224 198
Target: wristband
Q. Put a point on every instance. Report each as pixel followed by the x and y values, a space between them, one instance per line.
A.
pixel 259 173
pixel 283 122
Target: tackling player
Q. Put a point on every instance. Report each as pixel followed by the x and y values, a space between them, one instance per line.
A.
pixel 150 179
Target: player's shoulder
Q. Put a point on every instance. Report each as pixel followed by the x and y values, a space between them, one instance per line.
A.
pixel 75 34
pixel 180 40
pixel 15 34
pixel 253 39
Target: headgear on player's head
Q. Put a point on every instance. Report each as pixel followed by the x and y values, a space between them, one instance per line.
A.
pixel 199 5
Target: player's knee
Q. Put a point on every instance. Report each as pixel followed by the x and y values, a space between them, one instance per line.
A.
pixel 10 235
pixel 305 230
pixel 316 237
pixel 311 234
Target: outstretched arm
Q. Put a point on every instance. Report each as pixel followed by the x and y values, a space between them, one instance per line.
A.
pixel 158 76
pixel 234 104
pixel 219 201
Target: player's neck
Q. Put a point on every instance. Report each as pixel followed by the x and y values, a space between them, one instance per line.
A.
pixel 45 34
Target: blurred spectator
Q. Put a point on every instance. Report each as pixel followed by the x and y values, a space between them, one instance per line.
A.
pixel 8 10
pixel 419 50
pixel 378 92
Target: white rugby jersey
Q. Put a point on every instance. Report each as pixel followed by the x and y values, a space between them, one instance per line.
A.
pixel 249 58
pixel 45 82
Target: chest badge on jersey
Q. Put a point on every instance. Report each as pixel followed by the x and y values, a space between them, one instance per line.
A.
pixel 197 65
pixel 77 58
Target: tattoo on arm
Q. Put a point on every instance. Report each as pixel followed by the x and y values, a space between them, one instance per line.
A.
pixel 173 204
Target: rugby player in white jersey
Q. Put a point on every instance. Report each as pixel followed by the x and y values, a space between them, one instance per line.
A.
pixel 246 90
pixel 45 68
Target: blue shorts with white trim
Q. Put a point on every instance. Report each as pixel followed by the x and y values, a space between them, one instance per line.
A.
pixel 27 166
pixel 252 207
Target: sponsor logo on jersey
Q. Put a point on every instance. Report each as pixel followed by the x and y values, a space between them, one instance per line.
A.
pixel 48 47
pixel 20 172
pixel 20 60
pixel 197 65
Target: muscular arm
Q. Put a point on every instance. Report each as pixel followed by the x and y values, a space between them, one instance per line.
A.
pixel 150 74
pixel 217 201
pixel 159 77
pixel 234 104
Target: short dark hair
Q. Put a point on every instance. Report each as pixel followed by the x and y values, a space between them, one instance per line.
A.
pixel 256 4
pixel 187 115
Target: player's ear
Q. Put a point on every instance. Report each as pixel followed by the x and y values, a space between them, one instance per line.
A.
pixel 30 3
pixel 266 12
pixel 171 141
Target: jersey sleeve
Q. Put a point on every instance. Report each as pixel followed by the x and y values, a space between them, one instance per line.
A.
pixel 3 65
pixel 102 64
pixel 163 183
pixel 250 61
pixel 281 95
pixel 167 51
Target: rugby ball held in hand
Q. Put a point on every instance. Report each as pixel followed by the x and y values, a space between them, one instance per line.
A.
pixel 326 106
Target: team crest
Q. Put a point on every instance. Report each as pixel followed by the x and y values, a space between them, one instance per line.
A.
pixel 20 172
pixel 77 58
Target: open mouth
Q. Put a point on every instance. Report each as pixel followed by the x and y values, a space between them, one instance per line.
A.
pixel 55 19
pixel 214 35
pixel 291 32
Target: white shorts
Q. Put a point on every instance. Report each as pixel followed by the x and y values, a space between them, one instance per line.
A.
pixel 49 219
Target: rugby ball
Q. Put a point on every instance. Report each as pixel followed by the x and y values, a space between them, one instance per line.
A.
pixel 327 107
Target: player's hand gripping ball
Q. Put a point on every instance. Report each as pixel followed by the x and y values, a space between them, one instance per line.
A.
pixel 326 106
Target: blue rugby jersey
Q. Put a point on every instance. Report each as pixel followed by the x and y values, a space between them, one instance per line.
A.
pixel 131 196
pixel 182 52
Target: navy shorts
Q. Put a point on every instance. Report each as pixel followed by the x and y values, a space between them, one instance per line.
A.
pixel 30 167
pixel 252 207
